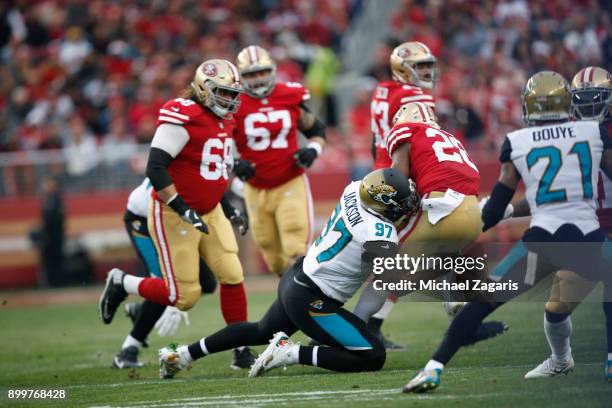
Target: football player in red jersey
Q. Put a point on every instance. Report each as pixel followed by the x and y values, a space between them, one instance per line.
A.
pixel 276 191
pixel 414 68
pixel 189 164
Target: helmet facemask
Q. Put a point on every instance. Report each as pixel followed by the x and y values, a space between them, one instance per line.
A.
pixel 259 82
pixel 591 103
pixel 424 74
pixel 220 99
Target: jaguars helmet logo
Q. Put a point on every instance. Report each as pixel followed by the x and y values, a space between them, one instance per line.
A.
pixel 383 193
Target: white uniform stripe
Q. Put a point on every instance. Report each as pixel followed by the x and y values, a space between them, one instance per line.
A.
pixel 416 98
pixel 252 54
pixel 164 250
pixel 399 131
pixel 171 120
pixel 175 114
pixel 315 357
pixel 392 143
pixel 234 71
pixel 310 210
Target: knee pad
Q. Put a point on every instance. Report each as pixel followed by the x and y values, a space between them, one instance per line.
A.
pixel 189 294
pixel 375 359
pixel 229 270
pixel 559 307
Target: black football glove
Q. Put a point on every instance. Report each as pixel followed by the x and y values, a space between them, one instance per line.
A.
pixel 305 156
pixel 189 215
pixel 243 169
pixel 192 217
pixel 238 219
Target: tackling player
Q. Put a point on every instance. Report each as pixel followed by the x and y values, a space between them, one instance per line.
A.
pixel 189 164
pixel 311 294
pixel 558 161
pixel 276 191
pixel 147 315
pixel 414 70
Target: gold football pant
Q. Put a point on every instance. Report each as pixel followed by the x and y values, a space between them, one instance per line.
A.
pixel 568 290
pixel 180 245
pixel 281 221
pixel 448 237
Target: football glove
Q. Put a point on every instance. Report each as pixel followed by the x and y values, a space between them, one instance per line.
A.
pixel 305 156
pixel 187 214
pixel 508 212
pixel 192 217
pixel 243 169
pixel 238 219
pixel 170 320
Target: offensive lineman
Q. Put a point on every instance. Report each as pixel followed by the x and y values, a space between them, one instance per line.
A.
pixel 560 176
pixel 189 164
pixel 414 70
pixel 147 315
pixel 276 192
pixel 312 292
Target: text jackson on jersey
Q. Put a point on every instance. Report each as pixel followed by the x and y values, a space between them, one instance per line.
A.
pixel 443 285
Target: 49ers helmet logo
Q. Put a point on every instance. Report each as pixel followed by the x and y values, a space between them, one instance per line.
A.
pixel 210 70
pixel 403 53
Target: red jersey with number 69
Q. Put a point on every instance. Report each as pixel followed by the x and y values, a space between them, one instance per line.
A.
pixel 266 133
pixel 437 159
pixel 200 171
pixel 386 101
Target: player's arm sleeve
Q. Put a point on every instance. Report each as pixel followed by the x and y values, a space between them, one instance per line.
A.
pixel 503 191
pixel 506 151
pixel 309 124
pixel 167 143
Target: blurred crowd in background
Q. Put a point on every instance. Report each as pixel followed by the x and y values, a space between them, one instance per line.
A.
pixel 89 76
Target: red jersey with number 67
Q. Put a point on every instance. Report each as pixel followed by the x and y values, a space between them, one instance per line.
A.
pixel 200 171
pixel 386 101
pixel 437 159
pixel 266 133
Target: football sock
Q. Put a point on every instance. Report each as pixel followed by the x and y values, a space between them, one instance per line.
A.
pixel 433 364
pixel 130 341
pixel 148 316
pixel 385 309
pixel 293 354
pixel 558 329
pixel 607 306
pixel 374 324
pixel 130 283
pixel 370 302
pixel 462 328
pixel 155 290
pixel 198 349
pixel 185 353
pixel 233 303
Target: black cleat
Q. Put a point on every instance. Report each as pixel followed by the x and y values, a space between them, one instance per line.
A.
pixel 243 358
pixel 127 358
pixel 487 330
pixel 112 295
pixel 390 345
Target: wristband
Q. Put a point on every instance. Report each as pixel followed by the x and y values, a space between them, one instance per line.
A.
pixel 177 203
pixel 316 146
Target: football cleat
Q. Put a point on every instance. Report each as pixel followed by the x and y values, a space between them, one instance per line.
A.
pixel 243 358
pixel 277 354
pixel 452 308
pixel 609 370
pixel 424 381
pixel 171 361
pixel 551 368
pixel 127 358
pixel 112 295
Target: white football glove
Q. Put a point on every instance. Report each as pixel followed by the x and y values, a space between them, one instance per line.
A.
pixel 508 212
pixel 168 323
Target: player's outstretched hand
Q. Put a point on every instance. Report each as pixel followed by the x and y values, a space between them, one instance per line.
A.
pixel 305 156
pixel 243 169
pixel 192 217
pixel 169 322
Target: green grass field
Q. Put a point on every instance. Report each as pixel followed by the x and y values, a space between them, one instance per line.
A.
pixel 68 347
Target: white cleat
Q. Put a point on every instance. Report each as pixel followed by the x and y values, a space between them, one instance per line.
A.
pixel 172 360
pixel 551 368
pixel 277 354
pixel 452 308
